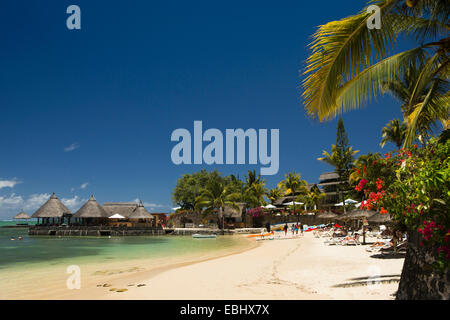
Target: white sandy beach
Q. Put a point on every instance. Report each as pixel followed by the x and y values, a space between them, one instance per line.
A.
pixel 300 268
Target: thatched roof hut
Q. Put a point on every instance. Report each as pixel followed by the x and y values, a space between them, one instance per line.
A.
pixel 140 213
pixel 53 208
pixel 123 208
pixel 380 218
pixel 91 209
pixel 231 212
pixel 22 215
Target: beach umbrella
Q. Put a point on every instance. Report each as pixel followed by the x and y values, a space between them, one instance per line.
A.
pixel 270 206
pixel 117 216
pixel 176 208
pixel 348 201
pixel 359 214
pixel 328 215
pixel 292 203
pixel 380 218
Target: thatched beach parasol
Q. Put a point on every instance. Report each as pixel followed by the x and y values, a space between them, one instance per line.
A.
pixel 328 216
pixel 380 218
pixel 359 214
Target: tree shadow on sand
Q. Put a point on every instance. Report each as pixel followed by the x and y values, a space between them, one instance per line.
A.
pixel 400 255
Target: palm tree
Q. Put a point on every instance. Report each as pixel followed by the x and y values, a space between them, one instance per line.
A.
pixel 422 95
pixel 312 198
pixel 274 194
pixel 395 131
pixel 342 161
pixel 254 189
pixel 293 184
pixel 350 64
pixel 215 197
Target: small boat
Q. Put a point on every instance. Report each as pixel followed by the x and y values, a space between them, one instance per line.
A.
pixel 203 236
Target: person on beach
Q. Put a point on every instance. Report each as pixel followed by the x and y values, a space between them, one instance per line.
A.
pixel 285 229
pixel 296 228
pixel 293 229
pixel 268 226
pixel 301 228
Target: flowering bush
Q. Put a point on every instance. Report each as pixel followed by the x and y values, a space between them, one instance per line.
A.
pixel 256 212
pixel 413 186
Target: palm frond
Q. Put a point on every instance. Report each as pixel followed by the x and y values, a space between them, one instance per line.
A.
pixel 340 50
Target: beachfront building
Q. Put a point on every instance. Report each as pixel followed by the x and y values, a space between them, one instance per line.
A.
pixel 91 214
pixel 159 218
pixel 93 219
pixel 140 217
pixel 132 214
pixel 280 202
pixel 329 183
pixel 53 212
pixel 233 216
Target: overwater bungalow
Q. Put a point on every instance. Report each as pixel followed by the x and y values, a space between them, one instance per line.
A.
pixel 92 219
pixel 134 214
pixel 53 212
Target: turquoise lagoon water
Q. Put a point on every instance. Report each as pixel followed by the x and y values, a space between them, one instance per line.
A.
pixel 45 251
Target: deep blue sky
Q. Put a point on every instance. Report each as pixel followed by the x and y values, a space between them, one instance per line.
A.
pixel 136 71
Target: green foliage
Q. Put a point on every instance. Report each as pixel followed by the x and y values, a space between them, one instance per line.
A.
pixel 190 186
pixel 350 65
pixel 293 184
pixel 395 132
pixel 413 186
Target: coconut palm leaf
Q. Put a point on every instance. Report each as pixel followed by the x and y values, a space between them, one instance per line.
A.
pixel 340 50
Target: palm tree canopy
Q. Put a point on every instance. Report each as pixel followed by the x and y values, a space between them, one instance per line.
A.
pixel 395 132
pixel 349 63
pixel 293 184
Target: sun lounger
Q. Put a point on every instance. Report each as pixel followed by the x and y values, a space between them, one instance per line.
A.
pixel 376 247
pixel 334 241
pixel 350 242
pixel 390 249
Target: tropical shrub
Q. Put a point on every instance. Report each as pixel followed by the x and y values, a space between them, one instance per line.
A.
pixel 413 186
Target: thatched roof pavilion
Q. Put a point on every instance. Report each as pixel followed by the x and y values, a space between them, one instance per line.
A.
pixel 22 215
pixel 123 208
pixel 140 213
pixel 91 209
pixel 53 208
pixel 231 212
